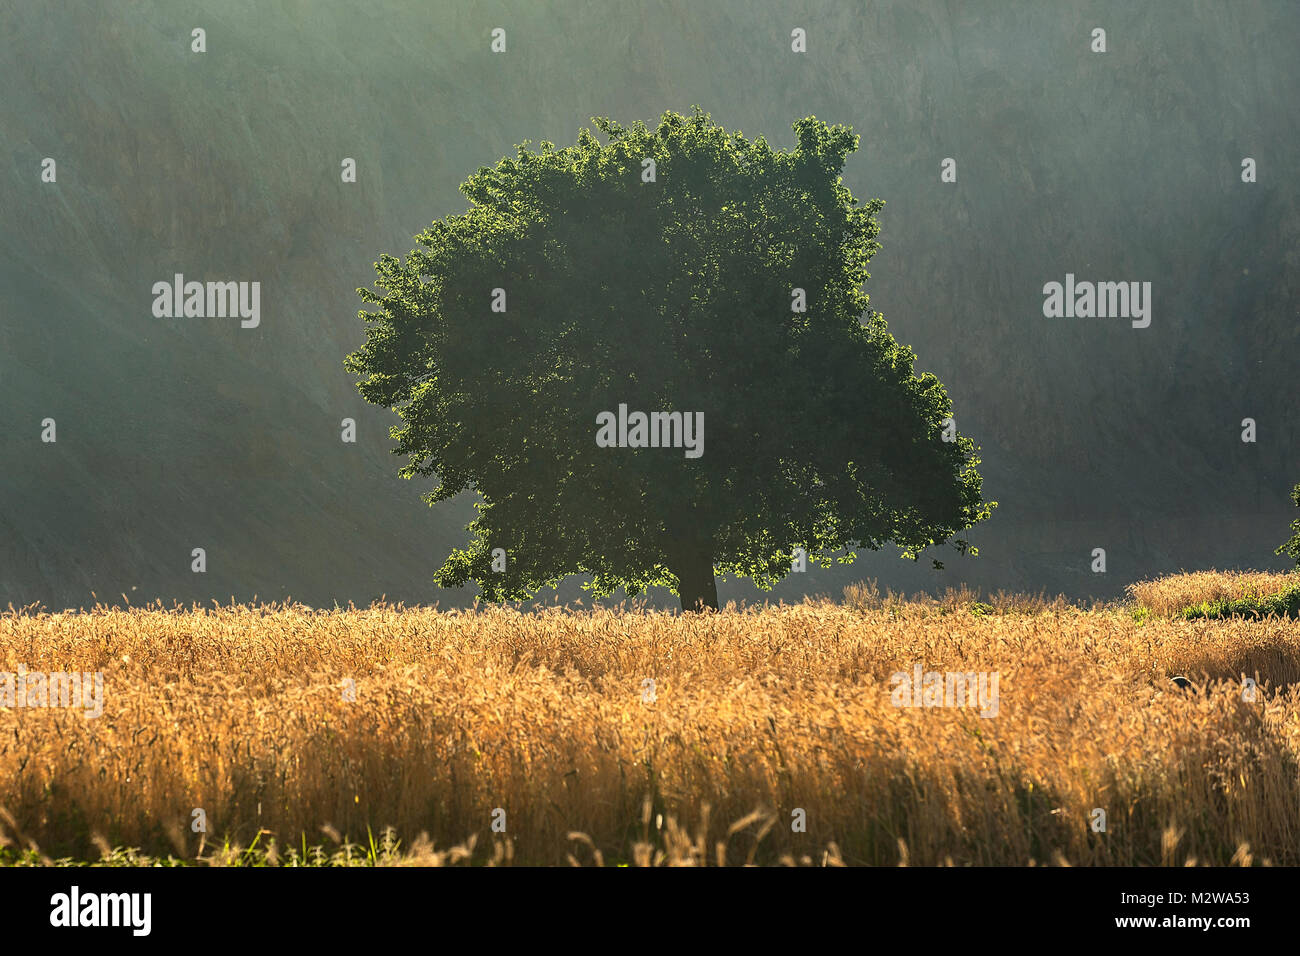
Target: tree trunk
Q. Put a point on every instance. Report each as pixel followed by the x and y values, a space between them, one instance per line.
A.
pixel 696 586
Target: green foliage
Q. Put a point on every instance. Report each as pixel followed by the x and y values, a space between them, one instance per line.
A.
pixel 384 851
pixel 1284 603
pixel 1291 547
pixel 665 295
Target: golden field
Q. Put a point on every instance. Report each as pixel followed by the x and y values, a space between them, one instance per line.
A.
pixel 244 712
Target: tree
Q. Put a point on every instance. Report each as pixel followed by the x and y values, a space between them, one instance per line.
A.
pixel 1291 547
pixel 588 277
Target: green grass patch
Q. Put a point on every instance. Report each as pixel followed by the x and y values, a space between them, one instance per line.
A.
pixel 1284 603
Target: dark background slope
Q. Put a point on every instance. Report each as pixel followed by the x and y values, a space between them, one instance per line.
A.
pixel 175 434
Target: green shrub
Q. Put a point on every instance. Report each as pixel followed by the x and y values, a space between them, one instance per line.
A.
pixel 1284 603
pixel 1291 547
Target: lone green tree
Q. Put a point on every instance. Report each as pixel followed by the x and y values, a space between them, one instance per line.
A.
pixel 1291 547
pixel 677 269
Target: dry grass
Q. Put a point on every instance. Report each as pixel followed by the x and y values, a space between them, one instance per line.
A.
pixel 866 596
pixel 1171 595
pixel 240 711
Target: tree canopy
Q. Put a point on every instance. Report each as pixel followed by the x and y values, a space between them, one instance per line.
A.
pixel 675 269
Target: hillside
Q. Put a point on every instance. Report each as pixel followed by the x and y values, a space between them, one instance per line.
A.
pixel 176 434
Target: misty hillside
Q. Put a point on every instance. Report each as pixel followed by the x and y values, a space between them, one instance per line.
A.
pixel 225 165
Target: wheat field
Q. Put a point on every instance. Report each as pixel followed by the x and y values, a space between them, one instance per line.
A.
pixel 769 735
